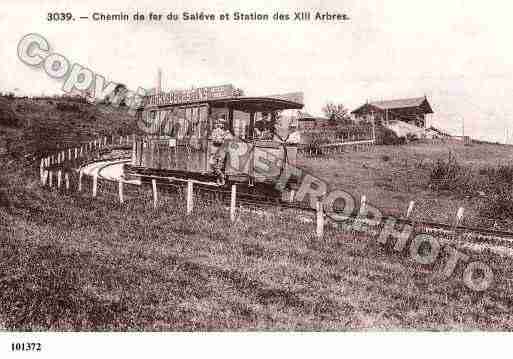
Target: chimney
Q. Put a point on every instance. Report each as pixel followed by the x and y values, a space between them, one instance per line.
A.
pixel 159 82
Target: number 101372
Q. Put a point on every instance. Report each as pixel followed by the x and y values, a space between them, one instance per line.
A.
pixel 26 347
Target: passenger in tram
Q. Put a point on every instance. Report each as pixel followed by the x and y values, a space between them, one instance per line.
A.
pixel 264 128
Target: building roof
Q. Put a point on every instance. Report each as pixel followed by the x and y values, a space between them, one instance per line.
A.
pixel 305 116
pixel 399 103
pixel 421 102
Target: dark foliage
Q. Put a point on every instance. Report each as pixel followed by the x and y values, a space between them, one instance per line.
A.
pixel 385 136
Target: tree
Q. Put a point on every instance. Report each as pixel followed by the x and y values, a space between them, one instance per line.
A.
pixel 336 113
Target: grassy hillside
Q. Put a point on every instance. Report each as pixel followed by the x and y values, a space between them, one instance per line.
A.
pixel 392 176
pixel 68 262
pixel 45 124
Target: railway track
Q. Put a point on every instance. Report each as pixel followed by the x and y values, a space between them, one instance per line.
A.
pixel 472 235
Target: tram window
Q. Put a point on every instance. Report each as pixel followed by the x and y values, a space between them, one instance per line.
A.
pixel 239 128
pixel 264 126
pixel 203 119
pixel 194 131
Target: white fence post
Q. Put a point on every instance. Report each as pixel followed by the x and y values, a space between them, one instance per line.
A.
pixel 410 209
pixel 95 184
pixel 44 171
pixel 134 154
pixel 320 220
pixel 120 191
pixel 292 195
pixel 80 174
pixel 190 190
pixel 233 202
pixel 45 178
pixel 41 171
pixel 155 194
pixel 50 182
pixel 66 180
pixel 459 216
pixel 59 178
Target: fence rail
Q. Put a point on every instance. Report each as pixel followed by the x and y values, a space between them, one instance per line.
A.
pixel 312 150
pixel 64 167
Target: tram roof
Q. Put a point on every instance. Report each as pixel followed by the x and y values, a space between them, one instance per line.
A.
pixel 244 103
pixel 257 104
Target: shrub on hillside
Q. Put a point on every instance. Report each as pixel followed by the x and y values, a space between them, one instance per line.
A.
pixel 497 186
pixel 500 174
pixel 498 201
pixel 449 175
pixel 315 145
pixel 8 117
pixel 494 186
pixel 411 137
pixel 68 107
pixel 385 136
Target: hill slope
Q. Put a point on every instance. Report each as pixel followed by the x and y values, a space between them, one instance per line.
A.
pixel 71 262
pixel 42 125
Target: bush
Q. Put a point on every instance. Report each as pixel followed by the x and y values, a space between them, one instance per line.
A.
pixel 498 189
pixel 8 117
pixel 498 201
pixel 411 137
pixel 449 175
pixel 315 144
pixel 494 186
pixel 385 136
pixel 68 107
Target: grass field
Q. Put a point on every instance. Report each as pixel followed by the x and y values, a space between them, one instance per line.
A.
pixel 70 262
pixel 74 263
pixel 392 176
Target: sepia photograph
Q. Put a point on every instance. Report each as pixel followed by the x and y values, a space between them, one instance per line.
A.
pixel 266 175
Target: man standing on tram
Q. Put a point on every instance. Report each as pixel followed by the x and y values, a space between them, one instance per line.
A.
pixel 220 136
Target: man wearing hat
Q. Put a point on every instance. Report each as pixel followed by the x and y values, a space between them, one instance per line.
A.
pixel 220 135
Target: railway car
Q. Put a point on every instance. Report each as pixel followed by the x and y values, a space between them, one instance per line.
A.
pixel 216 135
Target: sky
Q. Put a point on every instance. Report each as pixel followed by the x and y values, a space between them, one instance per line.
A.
pixel 457 53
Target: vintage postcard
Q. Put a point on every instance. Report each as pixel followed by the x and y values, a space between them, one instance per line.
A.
pixel 295 166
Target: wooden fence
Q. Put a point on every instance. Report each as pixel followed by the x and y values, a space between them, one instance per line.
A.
pixel 330 149
pixel 58 169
